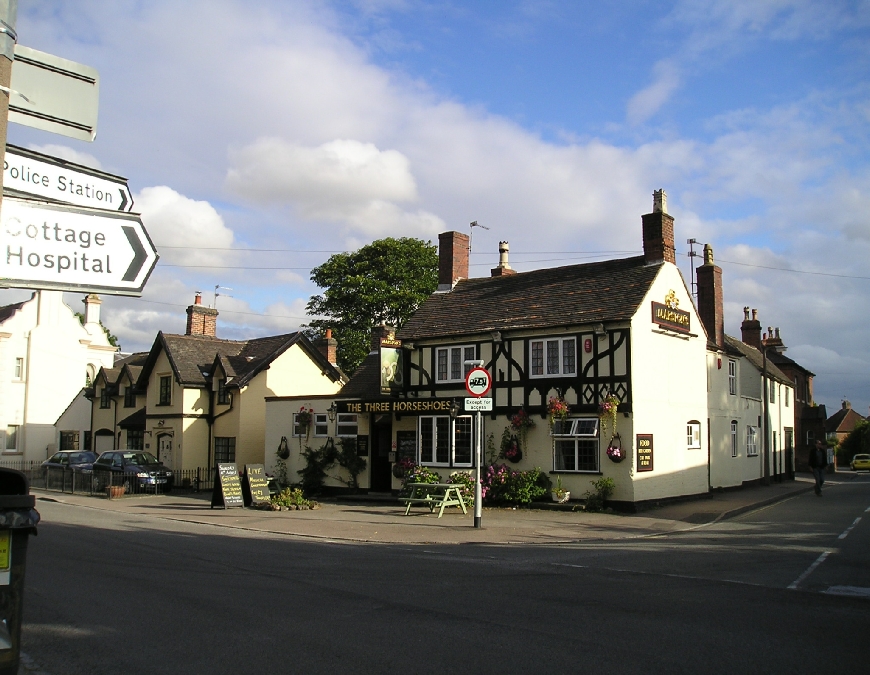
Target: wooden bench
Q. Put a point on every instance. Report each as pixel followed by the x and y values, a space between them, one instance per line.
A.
pixel 434 495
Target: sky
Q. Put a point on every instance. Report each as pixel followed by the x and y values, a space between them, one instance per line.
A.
pixel 260 137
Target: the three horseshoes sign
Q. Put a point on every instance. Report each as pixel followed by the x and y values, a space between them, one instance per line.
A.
pixel 478 384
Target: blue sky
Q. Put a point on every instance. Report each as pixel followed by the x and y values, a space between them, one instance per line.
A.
pixel 258 137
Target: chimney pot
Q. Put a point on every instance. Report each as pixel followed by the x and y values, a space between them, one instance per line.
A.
pixel 197 300
pixel 328 346
pixel 504 268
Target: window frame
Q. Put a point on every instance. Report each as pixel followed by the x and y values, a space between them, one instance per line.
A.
pixel 735 431
pixel 105 399
pixel 577 430
pixel 18 373
pixel 347 425
pixel 451 447
pixel 68 440
pixel 164 390
pixel 732 377
pixel 751 440
pixel 450 366
pixel 135 439
pixel 771 386
pixel 129 397
pixel 321 425
pixel 14 434
pixel 223 393
pixel 693 435
pixel 545 362
pixel 229 450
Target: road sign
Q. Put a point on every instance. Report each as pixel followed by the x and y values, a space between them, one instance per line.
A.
pixel 32 173
pixel 54 94
pixel 478 405
pixel 478 382
pixel 73 249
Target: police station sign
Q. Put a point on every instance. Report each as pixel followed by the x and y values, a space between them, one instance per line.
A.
pixel 73 249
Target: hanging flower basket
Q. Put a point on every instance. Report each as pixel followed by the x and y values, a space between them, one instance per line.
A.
pixel 607 413
pixel 614 450
pixel 514 453
pixel 557 409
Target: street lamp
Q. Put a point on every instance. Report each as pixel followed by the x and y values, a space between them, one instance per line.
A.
pixel 331 410
pixel 779 349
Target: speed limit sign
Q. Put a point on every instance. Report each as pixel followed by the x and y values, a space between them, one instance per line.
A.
pixel 478 382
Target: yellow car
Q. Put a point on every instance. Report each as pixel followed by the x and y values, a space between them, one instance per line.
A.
pixel 860 462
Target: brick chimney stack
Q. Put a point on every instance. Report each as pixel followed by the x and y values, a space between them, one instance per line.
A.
pixel 772 338
pixel 201 320
pixel 658 232
pixel 381 331
pixel 750 329
pixel 328 346
pixel 453 250
pixel 504 268
pixel 710 302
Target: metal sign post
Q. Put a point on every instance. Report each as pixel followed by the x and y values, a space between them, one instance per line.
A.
pixel 478 384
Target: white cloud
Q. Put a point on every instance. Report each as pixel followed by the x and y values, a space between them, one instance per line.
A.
pixel 648 101
pixel 67 153
pixel 183 229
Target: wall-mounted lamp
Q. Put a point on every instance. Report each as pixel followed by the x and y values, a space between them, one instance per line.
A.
pixel 160 423
pixel 331 410
pixel 454 409
pixel 496 336
pixel 409 345
pixel 599 330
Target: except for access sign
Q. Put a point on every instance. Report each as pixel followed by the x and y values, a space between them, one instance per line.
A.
pixel 478 405
pixel 48 177
pixel 73 249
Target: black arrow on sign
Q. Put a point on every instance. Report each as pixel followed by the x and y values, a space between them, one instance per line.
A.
pixel 141 255
pixel 123 200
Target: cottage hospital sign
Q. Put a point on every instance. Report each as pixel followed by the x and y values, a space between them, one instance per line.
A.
pixel 669 315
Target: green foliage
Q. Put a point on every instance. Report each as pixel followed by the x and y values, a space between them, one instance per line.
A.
pixel 290 498
pixel 418 474
pixel 113 340
pixel 317 462
pixel 466 480
pixel 602 489
pixel 349 459
pixel 504 486
pixel 857 441
pixel 383 282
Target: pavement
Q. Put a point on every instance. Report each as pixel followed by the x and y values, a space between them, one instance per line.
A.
pixel 363 520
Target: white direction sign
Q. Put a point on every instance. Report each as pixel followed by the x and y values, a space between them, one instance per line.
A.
pixel 33 173
pixel 73 249
pixel 478 405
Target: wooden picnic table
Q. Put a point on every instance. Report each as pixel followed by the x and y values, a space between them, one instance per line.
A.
pixel 434 495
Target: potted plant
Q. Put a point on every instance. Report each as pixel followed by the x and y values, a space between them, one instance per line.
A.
pixel 560 494
pixel 557 409
pixel 607 411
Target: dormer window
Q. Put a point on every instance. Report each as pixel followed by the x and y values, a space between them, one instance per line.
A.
pixel 104 397
pixel 223 394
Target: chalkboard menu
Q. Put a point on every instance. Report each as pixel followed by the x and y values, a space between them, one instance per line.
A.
pixel 227 488
pixel 406 445
pixel 644 452
pixel 362 446
pixel 256 484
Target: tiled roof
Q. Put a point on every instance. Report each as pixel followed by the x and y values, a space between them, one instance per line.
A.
pixel 602 291
pixel 8 311
pixel 366 380
pixel 134 421
pixel 843 421
pixel 756 359
pixel 783 360
pixel 192 355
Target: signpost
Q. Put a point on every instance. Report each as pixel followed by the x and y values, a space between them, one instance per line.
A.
pixel 33 173
pixel 478 383
pixel 54 94
pixel 73 249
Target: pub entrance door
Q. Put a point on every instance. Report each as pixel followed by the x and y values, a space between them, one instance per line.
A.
pixel 380 469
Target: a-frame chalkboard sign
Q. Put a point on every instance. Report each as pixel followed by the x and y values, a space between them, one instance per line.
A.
pixel 255 485
pixel 227 487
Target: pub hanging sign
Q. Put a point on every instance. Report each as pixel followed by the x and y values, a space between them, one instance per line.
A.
pixel 391 364
pixel 670 316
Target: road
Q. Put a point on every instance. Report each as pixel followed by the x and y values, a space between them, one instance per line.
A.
pixel 780 590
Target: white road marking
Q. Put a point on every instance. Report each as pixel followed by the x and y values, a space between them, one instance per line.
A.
pixel 794 584
pixel 851 591
pixel 849 529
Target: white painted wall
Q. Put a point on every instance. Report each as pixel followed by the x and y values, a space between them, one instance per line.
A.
pixel 58 353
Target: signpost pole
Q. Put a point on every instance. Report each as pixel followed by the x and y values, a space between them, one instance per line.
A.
pixel 8 15
pixel 478 477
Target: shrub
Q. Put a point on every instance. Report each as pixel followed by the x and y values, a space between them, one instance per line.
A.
pixel 349 459
pixel 316 463
pixel 290 498
pixel 501 485
pixel 466 480
pixel 418 474
pixel 603 488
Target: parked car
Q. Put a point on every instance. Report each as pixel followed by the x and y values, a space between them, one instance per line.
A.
pixel 134 469
pixel 860 462
pixel 75 460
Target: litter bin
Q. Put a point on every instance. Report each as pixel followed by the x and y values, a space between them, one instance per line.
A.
pixel 18 520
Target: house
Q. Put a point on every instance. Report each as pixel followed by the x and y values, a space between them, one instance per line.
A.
pixel 840 424
pixel 743 425
pixel 195 399
pixel 578 334
pixel 46 357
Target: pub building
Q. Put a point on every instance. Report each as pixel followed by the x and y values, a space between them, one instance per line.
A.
pixel 624 328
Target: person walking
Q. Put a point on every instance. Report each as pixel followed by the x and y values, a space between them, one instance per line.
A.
pixel 818 463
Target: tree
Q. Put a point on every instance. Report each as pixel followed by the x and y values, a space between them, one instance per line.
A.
pixel 857 441
pixel 382 282
pixel 113 340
